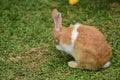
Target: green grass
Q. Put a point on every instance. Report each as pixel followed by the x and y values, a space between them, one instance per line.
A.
pixel 27 49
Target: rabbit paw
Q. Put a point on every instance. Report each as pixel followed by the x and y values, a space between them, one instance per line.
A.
pixel 72 64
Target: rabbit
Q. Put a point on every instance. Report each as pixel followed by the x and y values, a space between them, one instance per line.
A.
pixel 86 44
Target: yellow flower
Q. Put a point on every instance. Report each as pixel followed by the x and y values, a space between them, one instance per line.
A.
pixel 72 2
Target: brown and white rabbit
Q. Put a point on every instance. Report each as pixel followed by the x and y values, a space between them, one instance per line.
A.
pixel 86 44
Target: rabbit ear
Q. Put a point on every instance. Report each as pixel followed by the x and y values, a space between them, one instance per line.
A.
pixel 57 19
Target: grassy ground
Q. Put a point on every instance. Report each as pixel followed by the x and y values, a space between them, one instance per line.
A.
pixel 27 50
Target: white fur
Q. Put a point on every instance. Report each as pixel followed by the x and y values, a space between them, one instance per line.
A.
pixel 63 47
pixel 107 64
pixel 69 48
pixel 75 33
pixel 59 47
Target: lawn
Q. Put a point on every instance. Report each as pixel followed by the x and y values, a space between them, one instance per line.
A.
pixel 27 49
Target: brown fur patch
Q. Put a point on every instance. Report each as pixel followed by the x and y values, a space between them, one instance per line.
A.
pixel 91 47
pixel 64 35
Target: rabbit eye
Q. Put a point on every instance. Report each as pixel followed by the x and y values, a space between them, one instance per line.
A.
pixel 56 41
